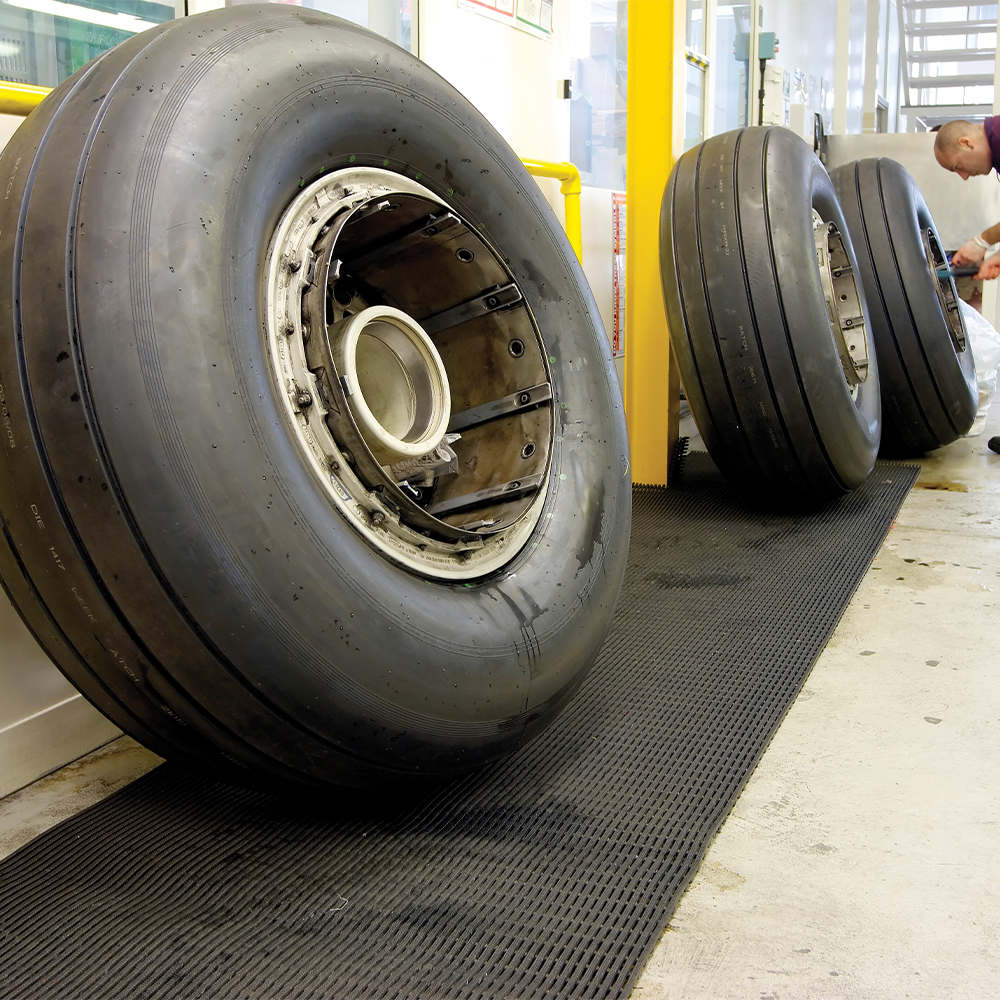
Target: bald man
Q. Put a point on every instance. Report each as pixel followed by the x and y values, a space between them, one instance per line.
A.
pixel 971 150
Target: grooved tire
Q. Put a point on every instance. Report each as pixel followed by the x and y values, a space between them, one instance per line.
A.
pixel 169 537
pixel 749 322
pixel 929 389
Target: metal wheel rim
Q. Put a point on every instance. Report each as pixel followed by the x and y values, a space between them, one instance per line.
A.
pixel 945 289
pixel 464 535
pixel 843 303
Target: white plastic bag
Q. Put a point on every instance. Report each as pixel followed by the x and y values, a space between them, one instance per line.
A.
pixel 984 342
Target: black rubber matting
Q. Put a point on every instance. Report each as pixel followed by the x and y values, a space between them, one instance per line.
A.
pixel 551 874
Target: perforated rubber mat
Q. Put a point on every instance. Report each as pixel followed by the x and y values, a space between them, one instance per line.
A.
pixel 551 874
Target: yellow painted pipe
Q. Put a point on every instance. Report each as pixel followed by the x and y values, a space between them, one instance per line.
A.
pixel 570 188
pixel 21 98
pixel 656 31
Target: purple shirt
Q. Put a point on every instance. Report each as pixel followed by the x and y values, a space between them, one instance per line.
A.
pixel 993 138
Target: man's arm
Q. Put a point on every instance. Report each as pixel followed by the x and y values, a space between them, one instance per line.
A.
pixel 990 268
pixel 975 250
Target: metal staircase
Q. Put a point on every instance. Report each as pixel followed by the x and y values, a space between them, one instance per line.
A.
pixel 948 52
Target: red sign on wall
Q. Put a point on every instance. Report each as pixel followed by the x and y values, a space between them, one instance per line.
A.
pixel 618 272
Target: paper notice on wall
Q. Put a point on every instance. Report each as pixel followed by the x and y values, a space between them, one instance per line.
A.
pixel 498 10
pixel 535 14
pixel 502 7
pixel 618 232
pixel 532 16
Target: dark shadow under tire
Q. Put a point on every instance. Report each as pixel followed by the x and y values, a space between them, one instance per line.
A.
pixel 204 545
pixel 749 321
pixel 928 376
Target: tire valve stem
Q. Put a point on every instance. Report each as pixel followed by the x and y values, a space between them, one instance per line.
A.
pixel 294 265
pixel 303 397
pixel 377 518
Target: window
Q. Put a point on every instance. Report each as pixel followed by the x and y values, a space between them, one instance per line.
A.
pixel 731 66
pixel 599 59
pixel 44 41
pixel 696 74
pixel 391 18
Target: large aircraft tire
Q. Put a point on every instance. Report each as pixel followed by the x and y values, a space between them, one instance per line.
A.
pixel 228 244
pixel 783 412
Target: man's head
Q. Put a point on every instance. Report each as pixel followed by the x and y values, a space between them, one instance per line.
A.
pixel 962 148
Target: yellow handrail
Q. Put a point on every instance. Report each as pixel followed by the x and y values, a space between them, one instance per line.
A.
pixel 570 188
pixel 20 98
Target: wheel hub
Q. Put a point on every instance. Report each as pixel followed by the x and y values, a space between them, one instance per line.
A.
pixel 410 372
pixel 395 383
pixel 945 288
pixel 843 302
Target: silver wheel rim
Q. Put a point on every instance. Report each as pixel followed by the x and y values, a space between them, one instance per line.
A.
pixel 843 303
pixel 945 289
pixel 434 441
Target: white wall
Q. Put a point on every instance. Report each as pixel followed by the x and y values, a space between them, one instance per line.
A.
pixel 8 126
pixel 848 52
pixel 508 74
pixel 44 722
pixel 855 96
pixel 807 33
pixel 889 63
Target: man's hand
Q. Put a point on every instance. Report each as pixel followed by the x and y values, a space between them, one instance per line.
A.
pixel 968 253
pixel 990 268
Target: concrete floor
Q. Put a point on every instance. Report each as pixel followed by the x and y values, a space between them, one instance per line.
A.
pixel 860 861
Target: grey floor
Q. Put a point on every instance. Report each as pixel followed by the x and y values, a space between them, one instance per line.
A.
pixel 861 859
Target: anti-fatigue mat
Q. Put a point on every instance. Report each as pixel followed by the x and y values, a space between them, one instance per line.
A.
pixel 551 874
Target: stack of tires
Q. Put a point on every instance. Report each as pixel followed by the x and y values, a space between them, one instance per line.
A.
pixel 807 315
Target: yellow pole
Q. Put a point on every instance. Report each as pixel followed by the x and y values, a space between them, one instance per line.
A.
pixel 20 98
pixel 570 188
pixel 655 111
